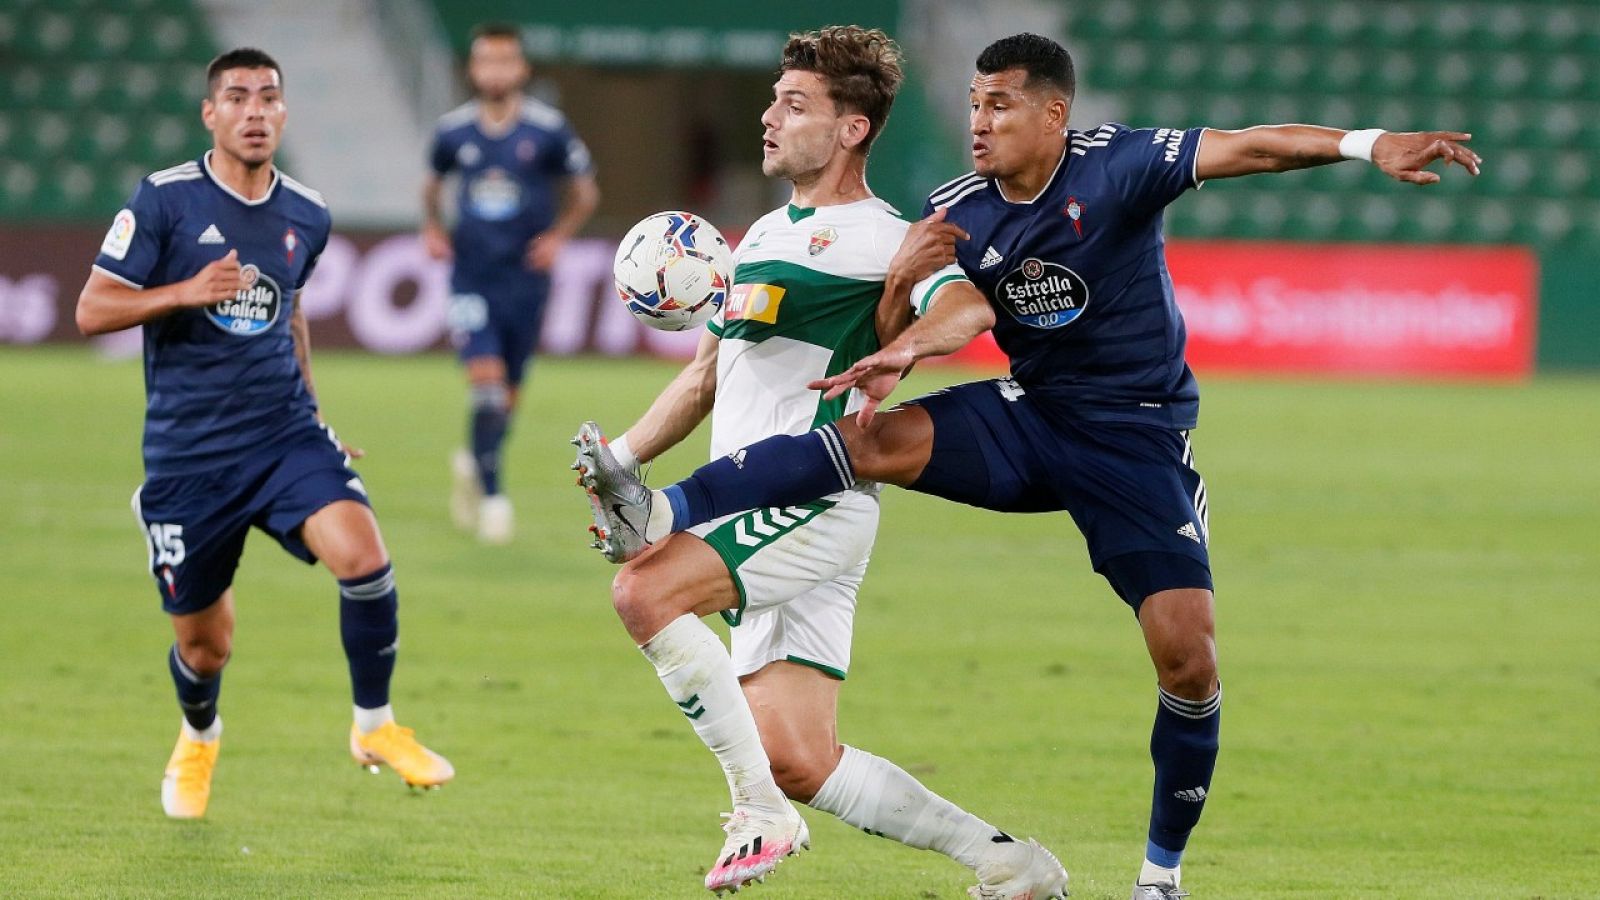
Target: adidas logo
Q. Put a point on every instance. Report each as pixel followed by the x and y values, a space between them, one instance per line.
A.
pixel 737 457
pixel 1188 531
pixel 212 236
pixel 991 258
pixel 1193 795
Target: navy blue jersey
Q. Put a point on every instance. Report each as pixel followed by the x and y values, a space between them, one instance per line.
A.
pixel 510 183
pixel 222 380
pixel 1078 277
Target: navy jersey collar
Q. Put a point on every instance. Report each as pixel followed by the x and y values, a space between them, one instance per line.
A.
pixel 205 163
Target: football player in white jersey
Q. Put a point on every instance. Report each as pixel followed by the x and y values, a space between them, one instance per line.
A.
pixel 807 283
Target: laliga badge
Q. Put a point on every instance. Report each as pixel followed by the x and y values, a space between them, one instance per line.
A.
pixel 289 242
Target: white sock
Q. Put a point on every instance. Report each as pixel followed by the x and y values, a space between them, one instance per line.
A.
pixel 659 525
pixel 370 720
pixel 211 732
pixel 1150 873
pixel 875 794
pixel 698 674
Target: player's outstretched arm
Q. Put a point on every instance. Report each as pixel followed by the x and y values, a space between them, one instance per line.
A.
pixel 956 314
pixel 1281 148
pixel 681 406
pixel 106 304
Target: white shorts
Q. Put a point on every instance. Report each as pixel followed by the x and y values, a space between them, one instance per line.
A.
pixel 797 570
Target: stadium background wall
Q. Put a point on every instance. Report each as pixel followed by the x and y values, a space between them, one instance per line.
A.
pixel 92 100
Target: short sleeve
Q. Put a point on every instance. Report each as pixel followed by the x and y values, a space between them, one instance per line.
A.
pixel 923 292
pixel 442 158
pixel 132 246
pixel 1151 167
pixel 572 158
pixel 316 254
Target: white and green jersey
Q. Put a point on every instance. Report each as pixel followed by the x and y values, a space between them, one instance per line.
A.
pixel 806 285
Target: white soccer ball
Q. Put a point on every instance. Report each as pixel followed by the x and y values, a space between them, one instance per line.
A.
pixel 673 270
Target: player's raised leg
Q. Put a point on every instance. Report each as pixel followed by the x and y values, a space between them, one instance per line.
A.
pixel 204 642
pixel 796 710
pixel 344 535
pixel 783 470
pixel 660 599
pixel 1179 631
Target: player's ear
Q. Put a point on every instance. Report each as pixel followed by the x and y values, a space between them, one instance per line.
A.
pixel 1057 110
pixel 208 113
pixel 854 131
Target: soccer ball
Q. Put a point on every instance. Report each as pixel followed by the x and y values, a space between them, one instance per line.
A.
pixel 673 270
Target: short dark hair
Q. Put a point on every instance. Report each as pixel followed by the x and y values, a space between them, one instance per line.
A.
pixel 239 58
pixel 497 30
pixel 860 65
pixel 1044 60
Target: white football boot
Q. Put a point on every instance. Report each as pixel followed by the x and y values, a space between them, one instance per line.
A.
pixel 496 524
pixel 1017 870
pixel 619 500
pixel 758 839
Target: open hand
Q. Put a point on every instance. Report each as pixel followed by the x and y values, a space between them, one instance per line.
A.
pixel 874 376
pixel 1404 155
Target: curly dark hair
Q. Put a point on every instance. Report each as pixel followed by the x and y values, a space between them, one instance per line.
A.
pixel 860 65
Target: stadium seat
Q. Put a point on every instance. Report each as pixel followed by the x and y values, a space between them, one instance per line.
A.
pixel 93 90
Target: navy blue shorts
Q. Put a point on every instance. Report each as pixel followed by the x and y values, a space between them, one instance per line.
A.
pixel 1131 488
pixel 195 525
pixel 499 318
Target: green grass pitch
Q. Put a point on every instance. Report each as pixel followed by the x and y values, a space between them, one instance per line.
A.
pixel 1408 622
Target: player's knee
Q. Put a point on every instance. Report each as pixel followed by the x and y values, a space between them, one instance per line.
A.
pixel 641 603
pixel 1190 673
pixel 205 654
pixel 493 395
pixel 357 561
pixel 800 772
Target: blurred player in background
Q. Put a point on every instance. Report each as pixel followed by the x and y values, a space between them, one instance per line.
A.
pixel 1059 234
pixel 526 185
pixel 808 283
pixel 209 256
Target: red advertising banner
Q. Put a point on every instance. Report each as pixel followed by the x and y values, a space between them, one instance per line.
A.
pixel 1351 309
pixel 1335 309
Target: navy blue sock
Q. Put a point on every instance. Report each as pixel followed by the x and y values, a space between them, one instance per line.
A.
pixel 369 623
pixel 491 419
pixel 1184 747
pixel 197 696
pixel 783 470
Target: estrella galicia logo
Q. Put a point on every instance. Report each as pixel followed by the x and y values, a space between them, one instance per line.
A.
pixel 1043 294
pixel 253 310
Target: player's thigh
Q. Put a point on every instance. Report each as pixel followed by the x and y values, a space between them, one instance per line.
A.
pixel 679 576
pixel 520 318
pixel 894 449
pixel 316 507
pixel 194 529
pixel 796 709
pixel 989 448
pixel 777 554
pixel 344 535
pixel 1141 506
pixel 472 331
